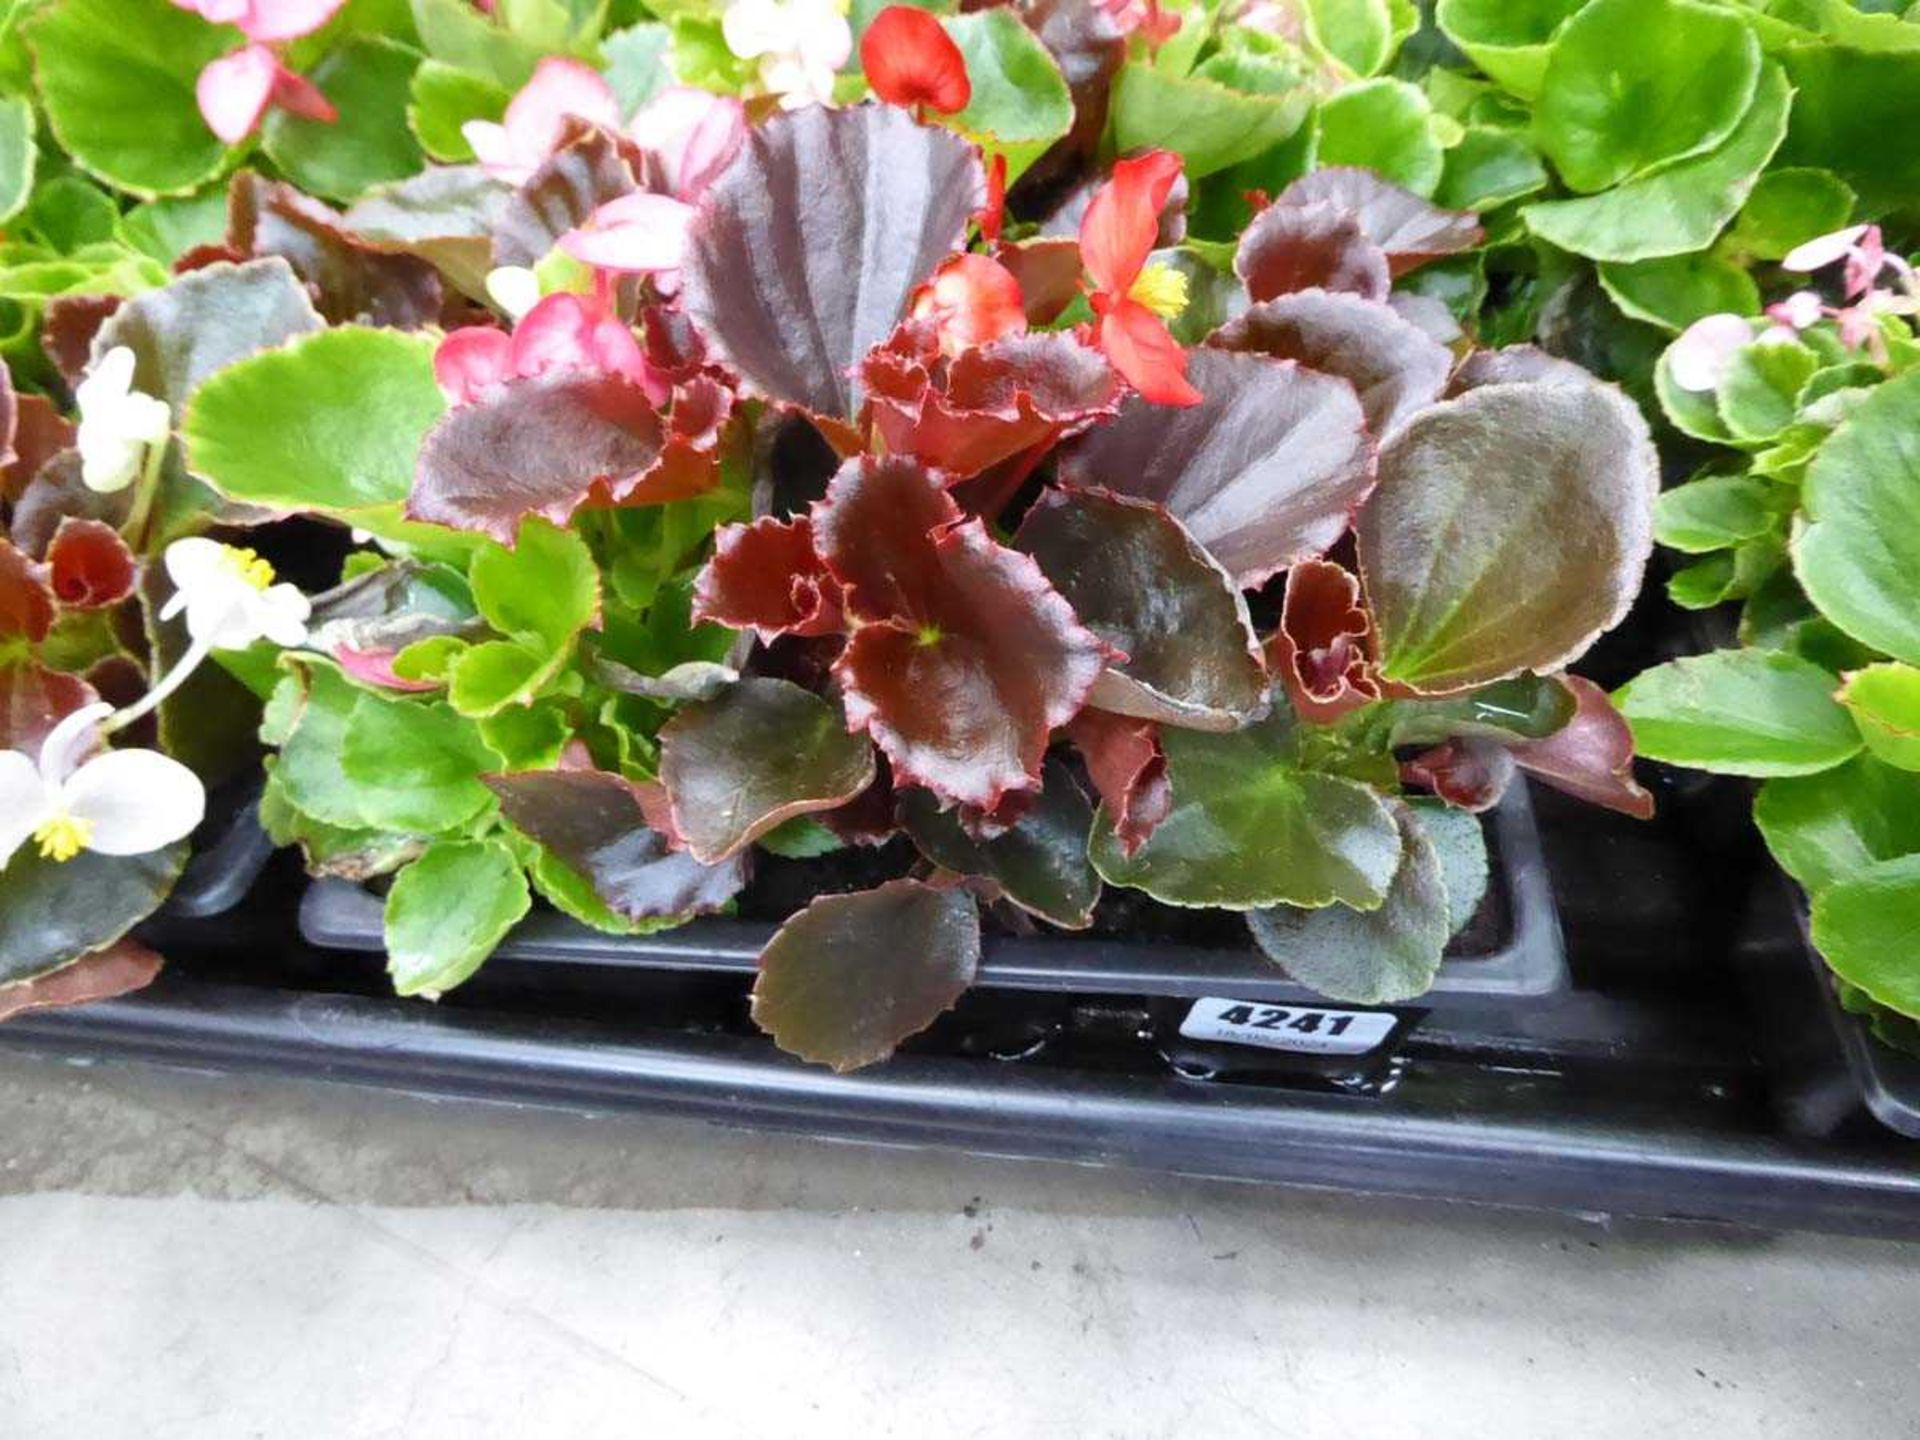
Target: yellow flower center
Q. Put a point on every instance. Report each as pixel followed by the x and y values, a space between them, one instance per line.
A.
pixel 248 566
pixel 1162 289
pixel 63 837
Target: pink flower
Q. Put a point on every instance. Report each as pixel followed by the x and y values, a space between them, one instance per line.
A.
pixel 563 332
pixel 1823 250
pixel 694 134
pixel 1797 312
pixel 235 91
pixel 536 119
pixel 265 20
pixel 1700 358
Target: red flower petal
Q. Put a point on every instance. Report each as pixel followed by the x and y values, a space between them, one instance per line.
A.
pixel 1144 351
pixel 471 359
pixel 972 300
pixel 1118 230
pixel 910 60
pixel 993 214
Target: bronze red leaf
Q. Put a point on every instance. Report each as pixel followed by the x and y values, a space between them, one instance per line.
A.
pixel 89 566
pixel 1322 651
pixel 1303 247
pixel 767 577
pixel 1411 230
pixel 1128 770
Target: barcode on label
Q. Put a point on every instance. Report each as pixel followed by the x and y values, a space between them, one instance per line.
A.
pixel 1304 1029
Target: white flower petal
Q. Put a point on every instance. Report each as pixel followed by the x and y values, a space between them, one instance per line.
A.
pixel 1823 250
pixel 280 614
pixel 108 460
pixel 22 802
pixel 1699 359
pixel 135 801
pixel 514 288
pixel 107 381
pixel 68 742
pixel 758 27
pixel 194 561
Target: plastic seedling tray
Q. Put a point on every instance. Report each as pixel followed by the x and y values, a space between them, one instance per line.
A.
pixel 1511 949
pixel 230 850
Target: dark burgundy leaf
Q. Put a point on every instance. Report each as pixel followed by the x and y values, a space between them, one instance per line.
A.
pixel 26 604
pixel 757 754
pixel 38 432
pixel 573 182
pixel 967 658
pixel 445 215
pixel 350 281
pixel 33 700
pixel 1048 269
pixel 805 252
pixel 1322 652
pixel 1266 471
pixel 203 322
pixel 1302 247
pixel 1514 364
pixel 67 331
pixel 1139 581
pixel 120 969
pixel 1037 859
pixel 59 493
pixel 1128 769
pixel 1411 230
pixel 689 461
pixel 1469 773
pixel 766 577
pixel 1086 41
pixel 1392 364
pixel 534 447
pixel 987 404
pixel 89 564
pixel 593 821
pixel 851 976
pixel 1592 757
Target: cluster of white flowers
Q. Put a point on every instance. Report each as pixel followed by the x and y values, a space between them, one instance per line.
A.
pixel 800 45
pixel 77 794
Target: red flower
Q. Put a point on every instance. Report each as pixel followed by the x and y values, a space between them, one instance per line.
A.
pixel 912 62
pixel 971 300
pixel 1116 236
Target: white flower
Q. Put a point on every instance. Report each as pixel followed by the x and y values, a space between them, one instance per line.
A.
pixel 1700 358
pixel 230 599
pixel 514 288
pixel 121 802
pixel 1823 250
pixel 799 44
pixel 117 423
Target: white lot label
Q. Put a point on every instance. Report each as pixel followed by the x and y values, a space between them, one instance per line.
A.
pixel 1304 1029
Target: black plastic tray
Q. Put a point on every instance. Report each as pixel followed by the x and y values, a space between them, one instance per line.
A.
pixel 230 851
pixel 1524 956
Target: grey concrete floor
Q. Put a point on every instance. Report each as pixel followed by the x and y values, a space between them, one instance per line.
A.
pixel 205 1258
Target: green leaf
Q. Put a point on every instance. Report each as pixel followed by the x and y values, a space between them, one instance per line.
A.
pixel 851 976
pixel 1634 84
pixel 529 737
pixel 1714 513
pixel 116 78
pixel 1859 555
pixel 1540 495
pixel 487 678
pixel 17 154
pixel 1384 126
pixel 1368 957
pixel 1527 707
pixel 542 592
pixel 51 914
pixel 1680 207
pixel 637 67
pixel 1789 206
pixel 367 80
pixel 1885 701
pixel 1864 926
pixel 440 99
pixel 1509 39
pixel 1208 125
pixel 167 229
pixel 448 910
pixel 1489 167
pixel 1740 712
pixel 1760 395
pixel 1250 828
pixel 308 772
pixel 1020 104
pixel 69 213
pixel 757 754
pixel 331 422
pixel 1459 843
pixel 804 838
pixel 1678 290
pixel 1692 412
pixel 457 34
pixel 1827 827
pixel 1360 34
pixel 417 766
pixel 1040 861
pixel 1853 114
